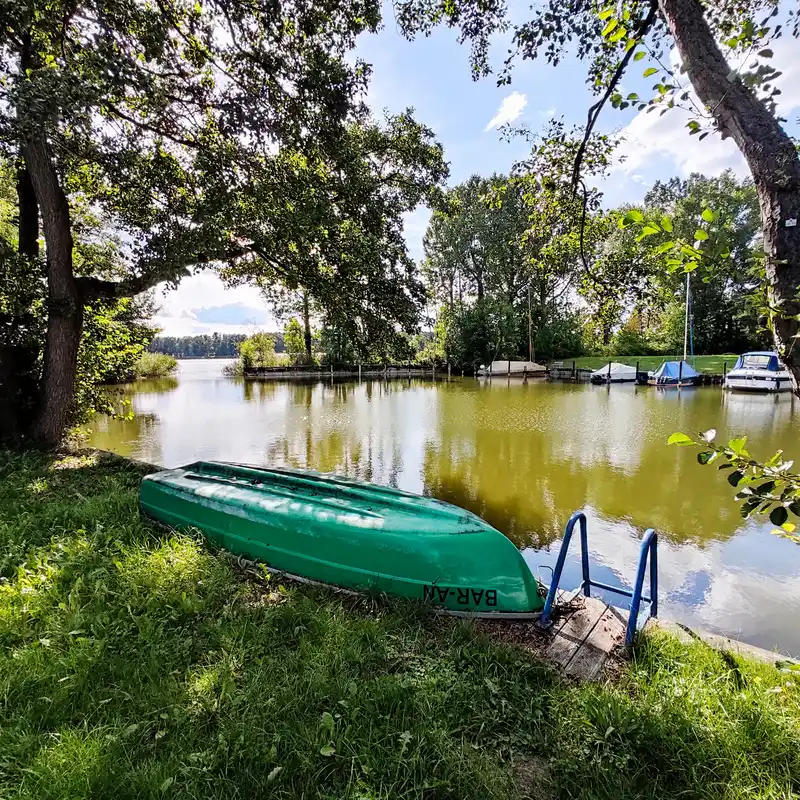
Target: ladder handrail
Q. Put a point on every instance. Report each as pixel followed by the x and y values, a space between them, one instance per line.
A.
pixel 648 551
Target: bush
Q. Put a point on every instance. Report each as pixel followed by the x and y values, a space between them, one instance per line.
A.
pixel 631 343
pixel 155 365
pixel 258 351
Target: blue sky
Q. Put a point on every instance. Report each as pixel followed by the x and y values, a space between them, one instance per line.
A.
pixel 432 75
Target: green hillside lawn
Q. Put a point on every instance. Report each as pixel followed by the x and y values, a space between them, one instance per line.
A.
pixel 138 664
pixel 709 364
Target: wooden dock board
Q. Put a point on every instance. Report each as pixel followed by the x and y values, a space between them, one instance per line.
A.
pixel 584 639
pixel 605 637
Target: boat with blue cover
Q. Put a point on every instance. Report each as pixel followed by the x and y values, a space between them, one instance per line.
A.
pixel 348 533
pixel 674 374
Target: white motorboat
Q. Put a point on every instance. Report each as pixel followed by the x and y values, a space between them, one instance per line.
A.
pixel 759 372
pixel 614 373
pixel 530 368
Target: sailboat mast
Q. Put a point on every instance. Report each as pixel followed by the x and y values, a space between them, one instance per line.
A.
pixel 686 322
pixel 530 325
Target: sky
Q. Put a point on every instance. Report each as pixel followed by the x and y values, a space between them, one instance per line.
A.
pixel 432 76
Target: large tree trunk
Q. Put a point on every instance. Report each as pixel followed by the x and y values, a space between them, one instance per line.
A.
pixel 307 327
pixel 771 156
pixel 64 305
pixel 28 229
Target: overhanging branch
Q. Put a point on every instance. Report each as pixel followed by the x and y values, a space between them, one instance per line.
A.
pixel 594 110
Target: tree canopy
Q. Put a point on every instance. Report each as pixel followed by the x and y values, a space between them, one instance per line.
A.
pixel 206 132
pixel 716 80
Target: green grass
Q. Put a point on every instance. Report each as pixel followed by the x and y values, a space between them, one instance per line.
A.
pixel 137 663
pixel 155 365
pixel 709 364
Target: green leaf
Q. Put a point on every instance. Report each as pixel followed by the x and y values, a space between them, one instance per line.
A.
pixel 738 446
pixel 789 527
pixel 612 23
pixel 327 751
pixel 735 477
pixel 166 784
pixel 705 456
pixel 700 235
pixel 778 516
pixel 709 215
pixel 327 721
pixel 639 55
pixel 606 12
pixel 619 34
pixel 664 247
pixel 765 53
pixel 681 439
pixel 649 71
pixel 666 224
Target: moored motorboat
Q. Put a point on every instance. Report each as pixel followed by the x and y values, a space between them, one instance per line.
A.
pixel 347 533
pixel 674 375
pixel 517 368
pixel 759 371
pixel 614 372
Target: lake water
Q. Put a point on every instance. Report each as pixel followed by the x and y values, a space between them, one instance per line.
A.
pixel 524 457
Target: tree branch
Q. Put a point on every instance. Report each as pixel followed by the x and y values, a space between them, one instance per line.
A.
pixel 594 111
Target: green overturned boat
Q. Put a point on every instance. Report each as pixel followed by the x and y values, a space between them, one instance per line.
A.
pixel 347 533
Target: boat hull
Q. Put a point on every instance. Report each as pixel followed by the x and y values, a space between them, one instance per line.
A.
pixel 347 533
pixel 753 382
pixel 671 384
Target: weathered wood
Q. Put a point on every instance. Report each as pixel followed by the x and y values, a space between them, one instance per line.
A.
pixel 574 631
pixel 604 638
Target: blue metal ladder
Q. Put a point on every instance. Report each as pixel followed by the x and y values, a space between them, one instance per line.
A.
pixel 648 551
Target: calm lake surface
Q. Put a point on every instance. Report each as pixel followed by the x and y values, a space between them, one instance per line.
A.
pixel 524 457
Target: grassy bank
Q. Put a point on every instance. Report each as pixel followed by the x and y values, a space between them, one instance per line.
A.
pixel 155 365
pixel 136 663
pixel 710 364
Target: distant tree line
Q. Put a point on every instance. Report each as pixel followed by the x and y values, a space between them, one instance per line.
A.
pixel 215 345
pixel 518 269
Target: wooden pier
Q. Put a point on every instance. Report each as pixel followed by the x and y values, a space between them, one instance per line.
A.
pixel 586 638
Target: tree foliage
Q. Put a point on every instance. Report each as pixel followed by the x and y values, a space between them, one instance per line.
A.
pixel 763 487
pixel 258 350
pixel 204 345
pixel 717 80
pixel 205 132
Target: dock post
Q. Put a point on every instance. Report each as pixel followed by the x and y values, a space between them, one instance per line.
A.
pixel 331 370
pixel 724 371
pixel 608 377
pixel 359 372
pixel 680 373
pixel 574 371
pixel 637 372
pixel 448 370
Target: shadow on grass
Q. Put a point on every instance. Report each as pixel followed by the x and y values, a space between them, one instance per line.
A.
pixel 134 662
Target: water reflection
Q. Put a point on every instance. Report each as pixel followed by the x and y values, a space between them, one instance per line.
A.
pixel 524 456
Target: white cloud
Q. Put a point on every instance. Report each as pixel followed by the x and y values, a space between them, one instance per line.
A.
pixel 178 309
pixel 651 137
pixel 511 107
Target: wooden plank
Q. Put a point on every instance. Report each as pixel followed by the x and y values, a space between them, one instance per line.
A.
pixel 572 634
pixel 609 632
